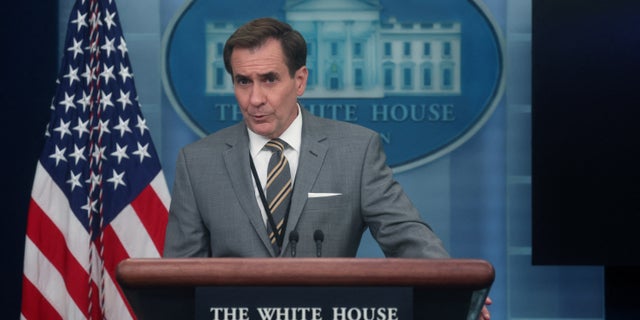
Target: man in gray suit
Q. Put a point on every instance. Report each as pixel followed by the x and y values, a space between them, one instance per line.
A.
pixel 341 183
pixel 338 181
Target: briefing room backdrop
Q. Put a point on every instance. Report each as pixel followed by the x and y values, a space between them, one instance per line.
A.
pixel 475 192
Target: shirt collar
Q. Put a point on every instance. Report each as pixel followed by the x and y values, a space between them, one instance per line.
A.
pixel 292 136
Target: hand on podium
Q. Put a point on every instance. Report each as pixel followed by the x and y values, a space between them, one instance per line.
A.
pixel 485 314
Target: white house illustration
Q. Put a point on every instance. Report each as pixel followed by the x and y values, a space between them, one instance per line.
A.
pixel 353 54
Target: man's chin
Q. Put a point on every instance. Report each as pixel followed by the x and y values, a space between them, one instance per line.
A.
pixel 261 129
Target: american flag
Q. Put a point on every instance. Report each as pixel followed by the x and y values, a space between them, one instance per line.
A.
pixel 99 195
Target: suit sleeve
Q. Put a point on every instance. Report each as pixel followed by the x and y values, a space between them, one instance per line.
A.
pixel 186 234
pixel 392 219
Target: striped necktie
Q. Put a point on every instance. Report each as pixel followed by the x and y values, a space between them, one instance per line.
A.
pixel 279 188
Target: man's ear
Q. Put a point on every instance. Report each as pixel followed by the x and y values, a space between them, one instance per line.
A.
pixel 301 80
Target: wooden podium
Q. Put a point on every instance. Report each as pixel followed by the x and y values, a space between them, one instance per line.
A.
pixel 432 289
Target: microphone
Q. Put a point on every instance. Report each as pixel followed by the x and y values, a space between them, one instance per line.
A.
pixel 318 237
pixel 293 239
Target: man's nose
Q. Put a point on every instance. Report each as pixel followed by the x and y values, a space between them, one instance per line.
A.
pixel 257 96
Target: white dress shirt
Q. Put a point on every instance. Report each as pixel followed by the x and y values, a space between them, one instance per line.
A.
pixel 260 155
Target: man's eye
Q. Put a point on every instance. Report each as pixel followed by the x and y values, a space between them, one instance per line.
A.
pixel 242 81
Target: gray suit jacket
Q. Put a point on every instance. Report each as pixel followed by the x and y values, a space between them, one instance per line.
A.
pixel 214 211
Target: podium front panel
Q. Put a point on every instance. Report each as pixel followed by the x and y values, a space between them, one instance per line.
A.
pixel 305 289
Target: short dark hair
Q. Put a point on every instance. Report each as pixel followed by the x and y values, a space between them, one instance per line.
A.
pixel 256 32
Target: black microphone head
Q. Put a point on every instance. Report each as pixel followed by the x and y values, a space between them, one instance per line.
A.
pixel 318 235
pixel 293 236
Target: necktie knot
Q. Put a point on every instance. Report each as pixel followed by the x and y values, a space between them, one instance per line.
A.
pixel 276 145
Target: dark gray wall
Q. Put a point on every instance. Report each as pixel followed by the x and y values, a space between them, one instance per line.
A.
pixel 29 67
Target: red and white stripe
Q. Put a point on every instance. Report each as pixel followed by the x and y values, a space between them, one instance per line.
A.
pixel 56 261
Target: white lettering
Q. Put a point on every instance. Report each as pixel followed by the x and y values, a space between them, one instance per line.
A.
pixel 230 313
pixel 345 112
pixel 365 313
pixel 379 113
pixel 385 136
pixel 435 112
pixel 290 313
pixel 228 112
pixel 350 112
pixel 399 113
pixel 339 313
pixel 266 313
pixel 416 113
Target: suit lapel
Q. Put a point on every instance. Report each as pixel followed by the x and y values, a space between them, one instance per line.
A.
pixel 312 153
pixel 236 160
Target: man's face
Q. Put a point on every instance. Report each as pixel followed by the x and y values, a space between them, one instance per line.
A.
pixel 265 91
